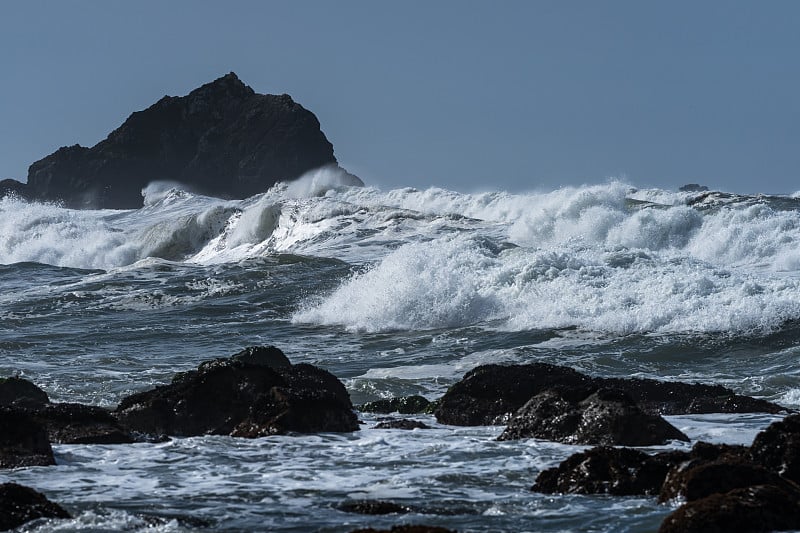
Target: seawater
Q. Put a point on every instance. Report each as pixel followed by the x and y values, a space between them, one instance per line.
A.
pixel 395 292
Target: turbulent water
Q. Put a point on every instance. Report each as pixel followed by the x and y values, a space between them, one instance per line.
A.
pixel 395 292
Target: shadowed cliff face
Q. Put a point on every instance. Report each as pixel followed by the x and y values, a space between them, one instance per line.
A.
pixel 222 139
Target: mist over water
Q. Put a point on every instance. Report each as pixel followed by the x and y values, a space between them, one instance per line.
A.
pixel 395 292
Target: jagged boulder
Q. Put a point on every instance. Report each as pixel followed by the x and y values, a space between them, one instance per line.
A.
pixel 222 139
pixel 605 417
pixel 19 505
pixel 491 394
pixel 243 396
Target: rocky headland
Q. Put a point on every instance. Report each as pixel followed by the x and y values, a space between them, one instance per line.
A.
pixel 222 139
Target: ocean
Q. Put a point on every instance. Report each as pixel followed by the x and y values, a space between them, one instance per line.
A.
pixel 395 292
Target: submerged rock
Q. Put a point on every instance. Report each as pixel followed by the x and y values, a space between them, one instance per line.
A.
pixel 222 139
pixel 23 441
pixel 373 507
pixel 606 470
pixel 19 505
pixel 407 529
pixel 606 417
pixel 401 424
pixel 242 397
pixel 490 394
pixel 405 405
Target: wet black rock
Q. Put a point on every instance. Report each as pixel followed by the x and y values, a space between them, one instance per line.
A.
pixel 405 405
pixel 65 423
pixel 693 481
pixel 19 505
pixel 491 394
pixel 73 423
pixel 401 424
pixel 18 392
pixel 222 139
pixel 750 509
pixel 777 448
pixel 23 441
pixel 243 397
pixel 373 507
pixel 607 470
pixel 605 417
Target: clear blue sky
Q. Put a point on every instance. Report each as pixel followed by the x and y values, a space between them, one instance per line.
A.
pixel 466 95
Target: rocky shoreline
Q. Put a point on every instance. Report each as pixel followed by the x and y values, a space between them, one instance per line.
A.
pixel 258 392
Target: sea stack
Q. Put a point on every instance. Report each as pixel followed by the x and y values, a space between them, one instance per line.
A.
pixel 222 139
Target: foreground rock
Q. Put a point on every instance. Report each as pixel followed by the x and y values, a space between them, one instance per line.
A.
pixel 23 441
pixel 777 448
pixel 222 139
pixel 65 423
pixel 606 470
pixel 755 508
pixel 606 417
pixel 491 394
pixel 253 394
pixel 739 489
pixel 19 505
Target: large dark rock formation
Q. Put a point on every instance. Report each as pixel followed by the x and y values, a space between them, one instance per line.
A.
pixel 252 394
pixel 19 505
pixel 606 417
pixel 491 394
pixel 222 139
pixel 778 448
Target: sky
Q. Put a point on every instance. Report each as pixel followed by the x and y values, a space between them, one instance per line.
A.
pixel 470 96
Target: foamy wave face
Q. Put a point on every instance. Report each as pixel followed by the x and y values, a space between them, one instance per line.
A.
pixel 461 282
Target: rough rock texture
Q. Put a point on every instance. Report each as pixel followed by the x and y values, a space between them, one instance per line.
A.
pixel 490 394
pixel 19 505
pixel 695 481
pixel 65 423
pixel 401 424
pixel 405 405
pixel 222 139
pixel 23 441
pixel 756 508
pixel 606 417
pixel 373 507
pixel 73 423
pixel 239 398
pixel 777 448
pixel 18 392
pixel 9 187
pixel 606 470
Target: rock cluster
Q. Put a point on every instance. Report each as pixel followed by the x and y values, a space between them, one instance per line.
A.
pixel 725 488
pixel 222 139
pixel 19 505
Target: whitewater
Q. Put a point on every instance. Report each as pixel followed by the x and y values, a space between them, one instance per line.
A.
pixel 395 292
